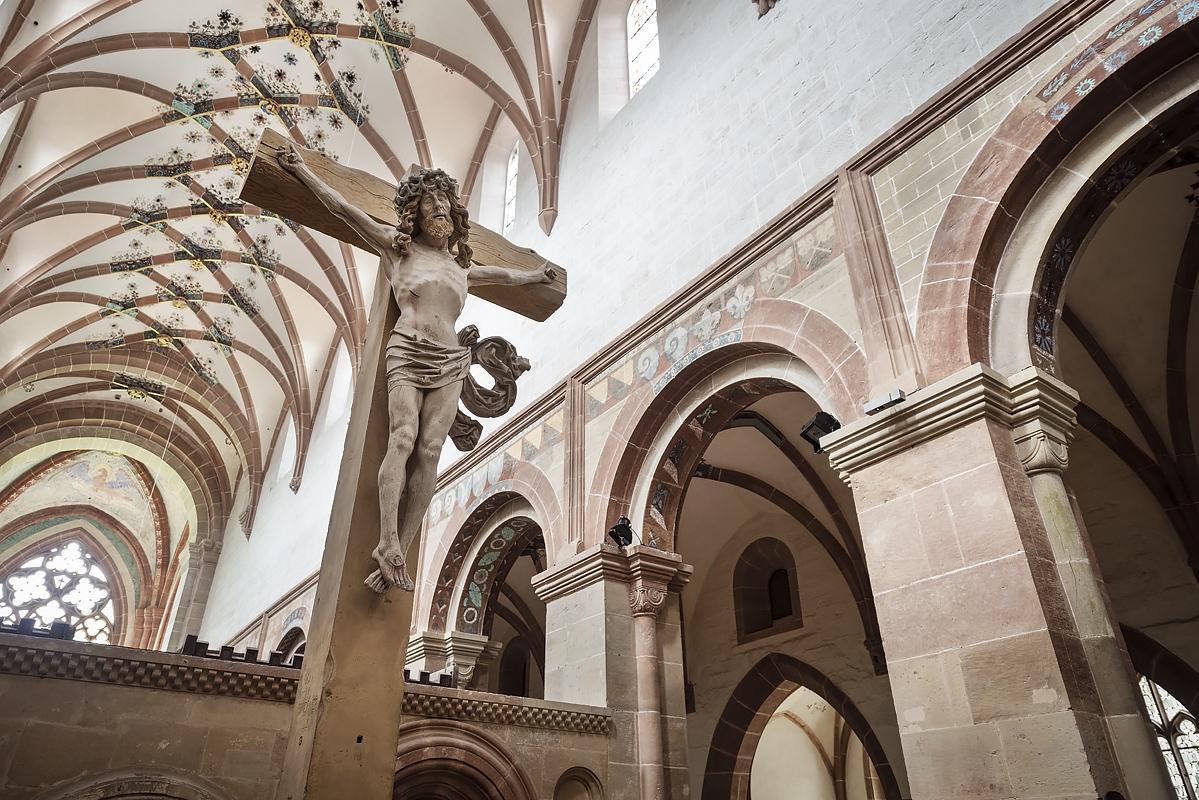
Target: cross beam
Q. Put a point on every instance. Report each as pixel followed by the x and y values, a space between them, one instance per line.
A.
pixel 270 186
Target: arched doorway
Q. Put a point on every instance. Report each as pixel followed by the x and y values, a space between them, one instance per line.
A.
pixel 144 783
pixel 447 760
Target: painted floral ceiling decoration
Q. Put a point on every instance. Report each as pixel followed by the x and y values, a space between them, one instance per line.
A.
pixel 139 297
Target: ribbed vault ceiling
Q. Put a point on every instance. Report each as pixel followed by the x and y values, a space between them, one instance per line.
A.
pixel 138 295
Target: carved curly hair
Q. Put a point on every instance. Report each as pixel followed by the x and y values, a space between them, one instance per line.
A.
pixel 407 204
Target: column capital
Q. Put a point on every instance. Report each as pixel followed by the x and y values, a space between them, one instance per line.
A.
pixel 1032 403
pixel 653 574
pixel 1043 420
pixel 207 550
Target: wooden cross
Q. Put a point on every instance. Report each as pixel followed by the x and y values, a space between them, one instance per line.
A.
pixel 272 187
pixel 344 730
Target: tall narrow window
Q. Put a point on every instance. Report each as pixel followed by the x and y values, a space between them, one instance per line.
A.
pixel 64 583
pixel 643 43
pixel 1177 736
pixel 510 189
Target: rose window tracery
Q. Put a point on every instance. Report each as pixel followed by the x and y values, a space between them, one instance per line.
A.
pixel 64 583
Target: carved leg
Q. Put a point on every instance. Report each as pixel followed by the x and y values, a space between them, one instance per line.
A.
pixel 437 412
pixel 403 407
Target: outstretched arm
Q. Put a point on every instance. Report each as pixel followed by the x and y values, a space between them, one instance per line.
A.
pixel 377 234
pixel 480 275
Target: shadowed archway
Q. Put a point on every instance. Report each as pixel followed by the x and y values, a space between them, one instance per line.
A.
pixel 753 701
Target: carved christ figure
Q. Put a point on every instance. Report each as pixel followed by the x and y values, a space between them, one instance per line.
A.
pixel 427 260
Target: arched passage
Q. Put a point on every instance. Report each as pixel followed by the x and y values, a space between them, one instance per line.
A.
pixel 748 711
pixel 784 341
pixel 447 760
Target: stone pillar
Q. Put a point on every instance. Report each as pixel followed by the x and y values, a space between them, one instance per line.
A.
pixel 1043 426
pixel 203 555
pixel 674 691
pixel 651 573
pixel 345 726
pixel 599 653
pixel 993 690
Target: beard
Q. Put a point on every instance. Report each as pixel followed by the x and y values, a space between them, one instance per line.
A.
pixel 439 228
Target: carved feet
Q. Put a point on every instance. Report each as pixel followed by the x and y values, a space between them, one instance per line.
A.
pixel 391 572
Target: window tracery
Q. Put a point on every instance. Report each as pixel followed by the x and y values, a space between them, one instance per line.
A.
pixel 64 583
pixel 642 31
pixel 1177 736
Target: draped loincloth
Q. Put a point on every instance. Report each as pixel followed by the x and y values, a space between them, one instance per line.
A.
pixel 417 361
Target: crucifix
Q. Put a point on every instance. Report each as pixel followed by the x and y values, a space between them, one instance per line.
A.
pixel 415 371
pixel 431 256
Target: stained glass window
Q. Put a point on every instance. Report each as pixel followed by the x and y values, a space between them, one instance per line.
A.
pixel 64 583
pixel 1177 736
pixel 510 189
pixel 643 43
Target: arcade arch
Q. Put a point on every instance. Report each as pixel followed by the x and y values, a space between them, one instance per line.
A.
pixel 482 601
pixel 714 463
pixel 1089 274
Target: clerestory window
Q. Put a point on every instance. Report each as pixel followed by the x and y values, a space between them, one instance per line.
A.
pixel 642 31
pixel 510 188
pixel 64 583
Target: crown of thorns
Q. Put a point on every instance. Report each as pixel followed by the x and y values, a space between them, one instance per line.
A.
pixel 421 182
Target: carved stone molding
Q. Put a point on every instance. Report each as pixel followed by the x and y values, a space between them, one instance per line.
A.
pixel 893 361
pixel 463 651
pixel 597 563
pixel 123 666
pixel 1031 403
pixel 651 575
pixel 496 710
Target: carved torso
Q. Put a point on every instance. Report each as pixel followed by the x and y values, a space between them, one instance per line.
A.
pixel 430 289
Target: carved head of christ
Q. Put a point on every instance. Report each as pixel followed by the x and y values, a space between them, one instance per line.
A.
pixel 429 210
